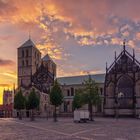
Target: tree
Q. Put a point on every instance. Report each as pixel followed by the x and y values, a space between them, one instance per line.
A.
pixel 32 102
pixel 19 103
pixel 56 97
pixel 90 95
pixel 77 100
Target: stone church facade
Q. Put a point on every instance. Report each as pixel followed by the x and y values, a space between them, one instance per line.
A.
pixel 122 86
pixel 119 87
pixel 36 72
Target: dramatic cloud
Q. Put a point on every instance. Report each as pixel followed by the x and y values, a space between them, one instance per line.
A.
pixel 4 85
pixel 10 74
pixel 4 62
pixel 80 35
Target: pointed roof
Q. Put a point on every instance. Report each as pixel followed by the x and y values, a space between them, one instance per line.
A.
pixel 28 43
pixel 123 56
pixel 47 58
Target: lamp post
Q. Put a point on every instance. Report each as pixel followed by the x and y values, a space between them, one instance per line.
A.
pixel 119 96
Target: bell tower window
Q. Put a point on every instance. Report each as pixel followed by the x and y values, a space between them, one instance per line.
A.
pixel 26 62
pixel 23 63
pixel 27 53
pixel 22 53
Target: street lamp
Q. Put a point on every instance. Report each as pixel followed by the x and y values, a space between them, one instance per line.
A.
pixel 119 96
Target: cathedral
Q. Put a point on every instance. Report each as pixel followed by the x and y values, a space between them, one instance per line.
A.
pixel 119 87
pixel 122 85
pixel 35 72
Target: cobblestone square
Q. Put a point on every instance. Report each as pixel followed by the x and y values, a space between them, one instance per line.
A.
pixel 66 129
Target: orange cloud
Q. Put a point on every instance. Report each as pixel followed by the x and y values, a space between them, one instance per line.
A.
pixel 53 21
pixel 5 85
pixel 12 75
pixel 62 73
pixel 5 62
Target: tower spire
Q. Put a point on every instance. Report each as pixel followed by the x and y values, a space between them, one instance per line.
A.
pixel 133 53
pixel 115 56
pixel 124 42
pixel 106 67
pixel 29 34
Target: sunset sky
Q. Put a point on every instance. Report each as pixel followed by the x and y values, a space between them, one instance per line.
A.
pixel 80 35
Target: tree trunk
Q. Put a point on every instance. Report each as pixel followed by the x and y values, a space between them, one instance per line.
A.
pixel 20 115
pixel 55 116
pixel 32 115
pixel 90 112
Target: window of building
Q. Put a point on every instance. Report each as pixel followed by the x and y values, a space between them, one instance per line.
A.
pixel 26 62
pixel 38 56
pixel 22 53
pixel 68 92
pixel 23 63
pixel 72 91
pixel 101 91
pixel 65 107
pixel 20 81
pixel 27 53
pixel 36 65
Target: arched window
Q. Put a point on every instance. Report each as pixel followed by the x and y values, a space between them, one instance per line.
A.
pixel 125 87
pixel 110 89
pixel 101 91
pixel 72 91
pixel 22 53
pixel 68 92
pixel 27 53
pixel 26 62
pixel 22 62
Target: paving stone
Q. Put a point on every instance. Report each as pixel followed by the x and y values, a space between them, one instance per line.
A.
pixel 66 129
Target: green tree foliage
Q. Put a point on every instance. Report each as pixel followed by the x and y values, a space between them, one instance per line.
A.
pixel 77 100
pixel 32 102
pixel 56 97
pixel 26 103
pixel 19 102
pixel 90 95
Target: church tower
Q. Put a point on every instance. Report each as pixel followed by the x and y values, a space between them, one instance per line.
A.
pixel 29 59
pixel 49 64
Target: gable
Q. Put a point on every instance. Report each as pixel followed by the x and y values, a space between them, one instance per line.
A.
pixel 125 62
pixel 42 79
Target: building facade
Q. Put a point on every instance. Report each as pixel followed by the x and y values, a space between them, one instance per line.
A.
pixel 122 86
pixel 6 109
pixel 69 86
pixel 35 72
pixel 119 88
pixel 29 59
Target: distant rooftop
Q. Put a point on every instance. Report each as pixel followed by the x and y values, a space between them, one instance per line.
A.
pixel 75 80
pixel 28 43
